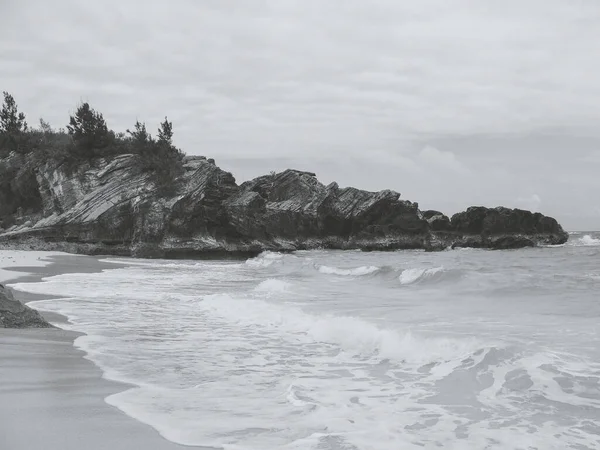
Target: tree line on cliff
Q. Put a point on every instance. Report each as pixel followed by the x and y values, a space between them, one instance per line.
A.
pixel 87 138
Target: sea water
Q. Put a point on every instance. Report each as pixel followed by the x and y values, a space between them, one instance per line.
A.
pixel 460 349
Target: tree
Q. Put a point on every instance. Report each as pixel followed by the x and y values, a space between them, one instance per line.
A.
pixel 12 127
pixel 12 122
pixel 165 132
pixel 88 129
pixel 45 127
pixel 139 134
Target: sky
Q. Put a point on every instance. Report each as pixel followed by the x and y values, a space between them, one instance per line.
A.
pixel 450 103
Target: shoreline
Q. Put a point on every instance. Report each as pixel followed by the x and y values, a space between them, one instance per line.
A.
pixel 56 387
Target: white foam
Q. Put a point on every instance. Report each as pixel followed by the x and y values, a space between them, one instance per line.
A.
pixel 409 276
pixel 354 335
pixel 265 259
pixel 273 285
pixel 587 240
pixel 358 271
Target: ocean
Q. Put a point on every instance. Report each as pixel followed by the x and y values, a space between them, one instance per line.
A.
pixel 459 349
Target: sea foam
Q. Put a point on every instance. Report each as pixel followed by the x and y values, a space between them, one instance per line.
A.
pixel 588 240
pixel 410 276
pixel 358 271
pixel 352 335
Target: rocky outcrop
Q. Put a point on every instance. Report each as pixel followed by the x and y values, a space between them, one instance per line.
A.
pixel 496 228
pixel 437 221
pixel 13 314
pixel 296 211
pixel 111 207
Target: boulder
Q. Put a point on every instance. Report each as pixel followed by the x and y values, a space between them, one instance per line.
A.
pixel 13 314
pixel 503 228
pixel 437 221
pixel 429 213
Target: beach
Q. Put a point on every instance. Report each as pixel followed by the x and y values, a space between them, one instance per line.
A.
pixel 51 397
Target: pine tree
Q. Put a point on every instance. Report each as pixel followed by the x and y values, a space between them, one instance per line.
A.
pixel 13 125
pixel 165 132
pixel 11 120
pixel 88 129
pixel 139 134
pixel 45 127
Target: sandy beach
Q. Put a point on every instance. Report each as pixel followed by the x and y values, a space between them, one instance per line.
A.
pixel 51 397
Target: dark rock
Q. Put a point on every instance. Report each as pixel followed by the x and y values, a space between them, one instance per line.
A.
pixel 510 242
pixel 437 221
pixel 294 206
pixel 428 214
pixel 13 314
pixel 503 228
pixel 501 221
pixel 108 206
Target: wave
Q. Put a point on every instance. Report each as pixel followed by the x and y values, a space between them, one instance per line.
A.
pixel 354 336
pixel 358 271
pixel 265 259
pixel 169 264
pixel 587 240
pixel 410 276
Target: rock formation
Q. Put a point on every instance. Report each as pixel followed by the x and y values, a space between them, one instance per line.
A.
pixel 13 314
pixel 109 206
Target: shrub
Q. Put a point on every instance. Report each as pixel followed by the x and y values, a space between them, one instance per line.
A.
pixel 159 157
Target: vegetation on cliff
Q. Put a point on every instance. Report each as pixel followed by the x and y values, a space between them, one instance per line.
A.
pixel 86 138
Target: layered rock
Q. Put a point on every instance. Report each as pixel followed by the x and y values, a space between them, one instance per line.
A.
pixel 13 314
pixel 111 207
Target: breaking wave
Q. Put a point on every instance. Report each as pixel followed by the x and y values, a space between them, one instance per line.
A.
pixel 265 259
pixel 358 271
pixel 353 335
pixel 410 276
pixel 587 240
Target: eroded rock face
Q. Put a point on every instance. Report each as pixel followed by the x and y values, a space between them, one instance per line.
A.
pixel 296 210
pixel 437 221
pixel 110 207
pixel 13 314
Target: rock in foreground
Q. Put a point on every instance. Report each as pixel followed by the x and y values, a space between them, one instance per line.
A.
pixel 13 314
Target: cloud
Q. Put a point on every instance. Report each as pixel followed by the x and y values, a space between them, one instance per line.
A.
pixel 503 92
pixel 431 156
pixel 591 157
pixel 305 76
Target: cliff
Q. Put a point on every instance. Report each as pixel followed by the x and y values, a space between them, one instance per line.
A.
pixel 109 206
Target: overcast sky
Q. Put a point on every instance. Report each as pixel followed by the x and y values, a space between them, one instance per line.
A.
pixel 451 103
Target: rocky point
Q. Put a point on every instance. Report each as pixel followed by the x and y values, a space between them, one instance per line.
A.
pixel 108 206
